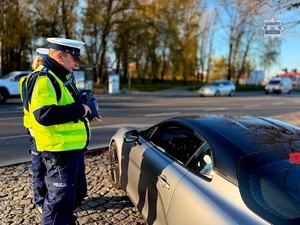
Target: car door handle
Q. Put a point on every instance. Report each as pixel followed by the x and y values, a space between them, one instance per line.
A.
pixel 163 181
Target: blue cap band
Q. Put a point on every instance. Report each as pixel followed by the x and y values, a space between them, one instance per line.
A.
pixel 42 55
pixel 73 51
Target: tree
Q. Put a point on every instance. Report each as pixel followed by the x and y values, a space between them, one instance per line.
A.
pixel 15 36
pixel 242 28
pixel 269 53
pixel 219 68
pixel 99 20
pixel 183 43
pixel 54 18
pixel 206 39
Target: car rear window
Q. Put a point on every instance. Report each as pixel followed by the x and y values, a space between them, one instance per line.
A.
pixel 270 187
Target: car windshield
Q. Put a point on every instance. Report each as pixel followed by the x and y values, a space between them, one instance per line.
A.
pixel 9 75
pixel 274 82
pixel 215 83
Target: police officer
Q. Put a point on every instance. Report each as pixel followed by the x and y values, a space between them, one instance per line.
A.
pixel 42 53
pixel 37 165
pixel 61 129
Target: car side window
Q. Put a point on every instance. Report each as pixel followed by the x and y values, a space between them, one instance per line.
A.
pixel 177 141
pixel 202 161
pixel 146 134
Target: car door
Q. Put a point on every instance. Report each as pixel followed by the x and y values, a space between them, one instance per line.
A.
pixel 220 88
pixel 226 87
pixel 159 172
pixel 204 197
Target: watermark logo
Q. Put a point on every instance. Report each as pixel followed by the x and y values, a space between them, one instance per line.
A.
pixel 272 28
pixel 60 185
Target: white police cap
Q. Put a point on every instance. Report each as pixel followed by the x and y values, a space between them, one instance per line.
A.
pixel 66 45
pixel 42 52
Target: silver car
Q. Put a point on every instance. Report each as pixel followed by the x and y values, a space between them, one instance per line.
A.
pixel 210 171
pixel 217 88
pixel 9 85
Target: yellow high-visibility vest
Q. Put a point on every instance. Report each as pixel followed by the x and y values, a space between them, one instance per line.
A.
pixel 60 137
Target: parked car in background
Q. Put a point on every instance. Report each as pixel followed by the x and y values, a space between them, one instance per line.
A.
pixel 217 88
pixel 210 170
pixel 279 85
pixel 9 85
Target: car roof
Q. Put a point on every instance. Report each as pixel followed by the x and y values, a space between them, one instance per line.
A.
pixel 221 81
pixel 15 73
pixel 245 130
pixel 20 71
pixel 234 137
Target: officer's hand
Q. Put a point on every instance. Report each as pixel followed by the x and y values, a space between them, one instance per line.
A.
pixel 86 109
pixel 97 119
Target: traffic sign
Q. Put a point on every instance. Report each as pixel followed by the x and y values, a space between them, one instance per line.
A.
pixel 272 28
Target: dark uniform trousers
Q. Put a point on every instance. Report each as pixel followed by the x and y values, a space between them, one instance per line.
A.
pixel 38 174
pixel 66 184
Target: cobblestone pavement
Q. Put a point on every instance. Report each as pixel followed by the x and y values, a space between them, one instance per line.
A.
pixel 103 204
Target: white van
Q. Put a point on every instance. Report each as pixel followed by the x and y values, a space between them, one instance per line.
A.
pixel 9 85
pixel 279 85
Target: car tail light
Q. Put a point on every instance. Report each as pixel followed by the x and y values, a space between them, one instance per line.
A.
pixel 294 157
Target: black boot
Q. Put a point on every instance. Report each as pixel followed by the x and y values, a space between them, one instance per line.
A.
pixel 74 221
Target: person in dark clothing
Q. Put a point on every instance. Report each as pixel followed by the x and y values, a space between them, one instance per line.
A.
pixel 60 126
pixel 37 166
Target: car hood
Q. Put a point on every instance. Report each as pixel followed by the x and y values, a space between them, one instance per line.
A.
pixel 4 81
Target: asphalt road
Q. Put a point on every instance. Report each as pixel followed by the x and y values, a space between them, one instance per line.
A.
pixel 142 110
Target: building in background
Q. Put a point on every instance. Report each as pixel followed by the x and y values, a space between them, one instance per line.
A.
pixel 295 76
pixel 257 77
pixel 84 77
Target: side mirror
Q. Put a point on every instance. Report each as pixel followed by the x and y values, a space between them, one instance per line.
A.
pixel 131 136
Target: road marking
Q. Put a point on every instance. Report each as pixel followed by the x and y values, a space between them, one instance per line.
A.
pixel 12 137
pixel 278 103
pixel 146 105
pixel 11 118
pixel 161 114
pixel 251 106
pixel 11 112
pixel 213 109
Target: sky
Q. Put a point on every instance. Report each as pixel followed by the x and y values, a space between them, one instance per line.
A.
pixel 290 46
pixel 290 39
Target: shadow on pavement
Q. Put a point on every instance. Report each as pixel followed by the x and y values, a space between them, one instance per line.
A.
pixel 103 203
